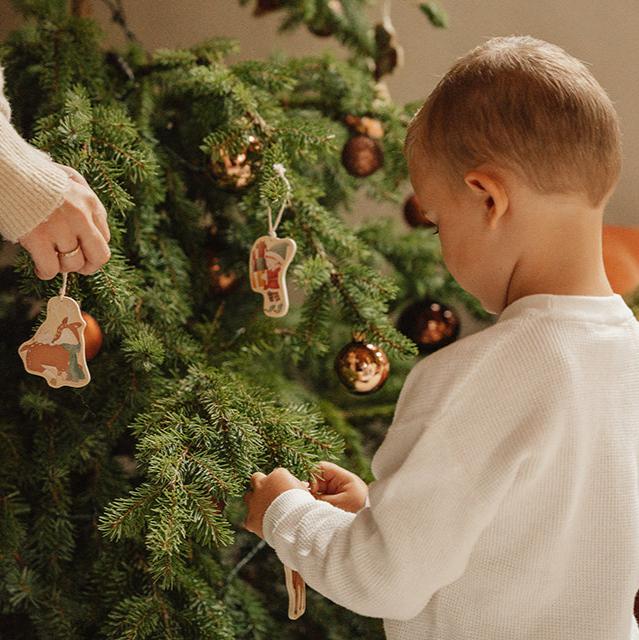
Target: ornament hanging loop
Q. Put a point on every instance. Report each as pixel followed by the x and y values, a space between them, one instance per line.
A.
pixel 280 169
pixel 63 288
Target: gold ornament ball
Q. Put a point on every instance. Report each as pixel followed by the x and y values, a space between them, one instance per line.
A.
pixel 362 156
pixel 237 172
pixel 362 367
pixel 92 336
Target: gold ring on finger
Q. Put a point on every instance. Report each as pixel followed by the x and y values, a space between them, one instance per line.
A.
pixel 70 254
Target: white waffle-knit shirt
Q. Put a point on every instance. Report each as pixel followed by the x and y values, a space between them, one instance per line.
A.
pixel 505 504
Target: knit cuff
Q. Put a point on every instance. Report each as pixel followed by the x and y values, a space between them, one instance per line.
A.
pixel 280 508
pixel 31 185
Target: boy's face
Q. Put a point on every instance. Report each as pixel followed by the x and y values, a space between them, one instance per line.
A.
pixel 475 253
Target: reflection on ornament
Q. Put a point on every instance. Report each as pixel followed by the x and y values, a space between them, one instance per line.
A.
pixel 430 324
pixel 362 156
pixel 362 367
pixel 237 172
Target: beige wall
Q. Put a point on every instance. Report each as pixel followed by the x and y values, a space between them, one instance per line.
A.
pixel 603 34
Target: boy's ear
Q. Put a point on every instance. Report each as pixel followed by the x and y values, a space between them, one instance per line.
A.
pixel 492 192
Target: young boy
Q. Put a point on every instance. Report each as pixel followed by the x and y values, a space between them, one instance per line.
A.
pixel 506 496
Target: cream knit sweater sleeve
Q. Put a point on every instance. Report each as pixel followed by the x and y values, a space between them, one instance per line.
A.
pixel 31 184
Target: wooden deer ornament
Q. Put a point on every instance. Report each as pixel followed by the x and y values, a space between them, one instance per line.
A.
pixel 57 350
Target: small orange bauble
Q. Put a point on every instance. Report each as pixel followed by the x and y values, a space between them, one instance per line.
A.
pixel 92 336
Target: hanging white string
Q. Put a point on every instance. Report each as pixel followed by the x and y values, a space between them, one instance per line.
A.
pixel 63 288
pixel 280 169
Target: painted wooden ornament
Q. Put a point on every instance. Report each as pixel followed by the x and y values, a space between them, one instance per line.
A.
pixel 296 588
pixel 269 260
pixel 57 349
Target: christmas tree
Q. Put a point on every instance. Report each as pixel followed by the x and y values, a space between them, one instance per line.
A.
pixel 121 500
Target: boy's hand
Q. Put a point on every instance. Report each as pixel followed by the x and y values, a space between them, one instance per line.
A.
pixel 265 489
pixel 340 487
pixel 80 221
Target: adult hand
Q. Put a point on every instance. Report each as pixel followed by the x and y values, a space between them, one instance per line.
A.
pixel 79 222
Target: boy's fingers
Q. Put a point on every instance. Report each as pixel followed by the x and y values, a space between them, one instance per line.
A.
pixel 318 483
pixel 337 499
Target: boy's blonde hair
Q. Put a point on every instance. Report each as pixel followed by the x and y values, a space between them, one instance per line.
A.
pixel 525 105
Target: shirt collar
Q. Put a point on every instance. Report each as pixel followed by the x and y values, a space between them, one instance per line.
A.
pixel 607 309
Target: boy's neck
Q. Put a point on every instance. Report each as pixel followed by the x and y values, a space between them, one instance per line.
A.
pixel 578 274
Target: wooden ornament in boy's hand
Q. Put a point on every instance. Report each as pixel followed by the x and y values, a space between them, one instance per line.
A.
pixel 362 156
pixel 92 336
pixel 362 367
pixel 430 324
pixel 414 214
pixel 296 588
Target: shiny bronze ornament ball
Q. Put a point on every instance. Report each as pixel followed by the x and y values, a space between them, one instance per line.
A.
pixel 414 214
pixel 430 324
pixel 362 367
pixel 237 172
pixel 362 156
pixel 92 336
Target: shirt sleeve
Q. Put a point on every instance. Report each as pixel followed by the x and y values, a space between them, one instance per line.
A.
pixel 425 516
pixel 31 185
pixel 388 559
